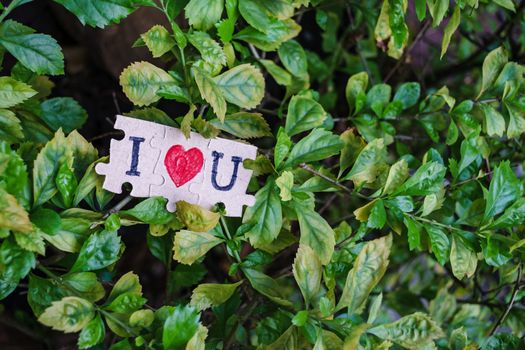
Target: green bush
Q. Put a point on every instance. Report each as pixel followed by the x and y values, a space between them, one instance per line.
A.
pixel 386 216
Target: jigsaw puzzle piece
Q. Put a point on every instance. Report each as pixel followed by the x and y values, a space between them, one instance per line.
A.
pixel 226 179
pixel 132 159
pixel 181 164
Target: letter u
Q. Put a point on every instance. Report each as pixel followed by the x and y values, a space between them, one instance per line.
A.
pixel 236 160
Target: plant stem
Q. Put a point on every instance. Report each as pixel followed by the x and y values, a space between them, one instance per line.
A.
pixel 332 181
pixel 9 8
pixel 229 236
pixel 510 305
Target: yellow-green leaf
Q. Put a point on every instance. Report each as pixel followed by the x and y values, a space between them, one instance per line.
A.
pixel 369 267
pixel 188 246
pixel 140 82
pixel 210 91
pixel 307 270
pixel 207 295
pixel 12 215
pixel 13 92
pixel 242 85
pixel 69 315
pixel 158 40
pixel 196 218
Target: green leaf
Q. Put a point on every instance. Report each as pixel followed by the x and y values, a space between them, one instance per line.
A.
pixel 369 267
pixel 244 125
pixel 282 147
pixel 378 97
pixel 151 211
pixel 38 52
pixel 127 284
pixel 369 165
pixel 125 303
pixel 267 286
pixel 397 174
pixel 439 243
pixel 188 246
pixel 318 145
pixel 212 294
pixel 242 85
pixel 92 334
pixel 307 271
pixel 451 27
pixel 508 4
pixel 203 14
pixel 280 75
pixel 196 218
pixel 412 331
pixel 100 250
pixel 408 94
pixel 141 318
pixel 158 40
pixel 141 81
pixel 377 217
pixel 293 58
pixel 265 216
pixel 462 259
pixel 180 326
pixel 69 315
pixel 285 184
pixel 197 342
pixel 514 215
pixel 516 120
pixel 63 112
pixel 303 114
pixel 277 32
pixel 211 92
pixel 504 189
pixel 355 87
pixel 32 241
pixel 47 220
pixel 438 10
pixel 492 65
pixel 259 13
pixel 12 215
pixel 46 167
pixel 152 114
pixel 99 13
pixel 458 339
pixel 16 264
pixel 428 179
pixel 494 121
pixel 10 127
pixel 503 341
pixel 13 92
pixel 66 184
pixel 209 49
pixel 315 232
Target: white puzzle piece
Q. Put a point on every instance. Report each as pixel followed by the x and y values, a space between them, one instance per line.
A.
pixel 132 159
pixel 159 161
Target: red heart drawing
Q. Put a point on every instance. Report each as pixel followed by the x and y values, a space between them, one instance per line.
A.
pixel 183 165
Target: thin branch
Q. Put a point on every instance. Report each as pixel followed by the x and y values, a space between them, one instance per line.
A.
pixel 408 50
pixel 510 305
pixel 332 181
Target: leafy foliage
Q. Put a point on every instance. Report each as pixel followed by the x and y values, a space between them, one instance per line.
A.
pixel 389 208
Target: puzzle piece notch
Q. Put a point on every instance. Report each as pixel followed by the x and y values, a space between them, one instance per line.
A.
pixel 132 159
pixel 228 178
